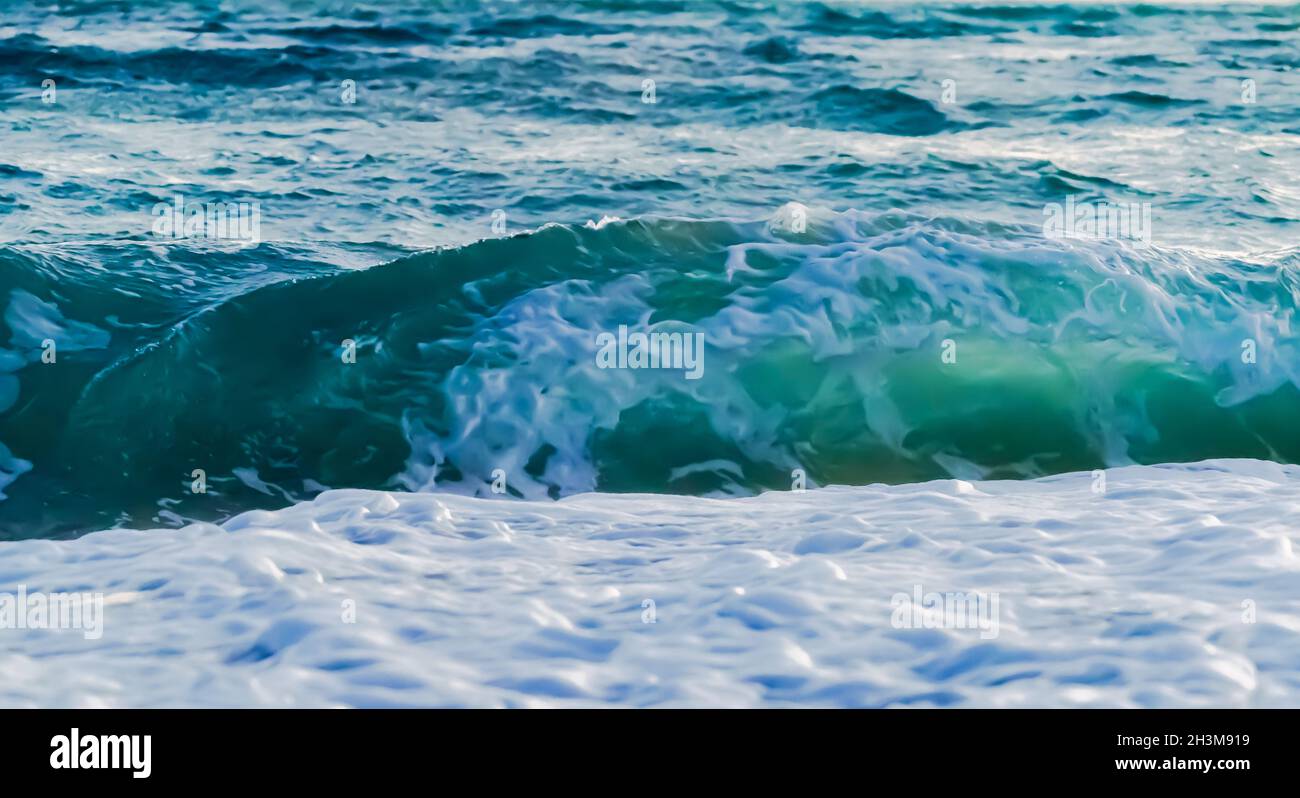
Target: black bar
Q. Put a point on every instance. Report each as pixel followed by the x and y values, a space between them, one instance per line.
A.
pixel 330 748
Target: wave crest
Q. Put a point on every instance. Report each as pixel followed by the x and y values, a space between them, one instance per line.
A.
pixel 858 348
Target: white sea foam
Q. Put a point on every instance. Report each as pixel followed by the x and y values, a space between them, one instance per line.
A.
pixel 1177 586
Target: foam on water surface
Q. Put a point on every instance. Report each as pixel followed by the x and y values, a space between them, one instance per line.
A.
pixel 1176 586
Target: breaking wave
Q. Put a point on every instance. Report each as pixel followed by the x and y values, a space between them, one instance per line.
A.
pixel 863 348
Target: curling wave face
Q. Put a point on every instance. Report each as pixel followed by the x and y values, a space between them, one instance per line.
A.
pixel 863 348
pixel 933 331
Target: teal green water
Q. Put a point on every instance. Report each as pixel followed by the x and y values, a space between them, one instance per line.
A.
pixel 443 217
pixel 824 351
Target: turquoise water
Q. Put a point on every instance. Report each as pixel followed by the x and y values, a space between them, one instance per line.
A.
pixel 864 254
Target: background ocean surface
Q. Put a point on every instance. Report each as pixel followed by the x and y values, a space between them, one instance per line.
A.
pixel 924 224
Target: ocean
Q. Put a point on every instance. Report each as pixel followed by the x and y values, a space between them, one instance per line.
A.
pixel 508 318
